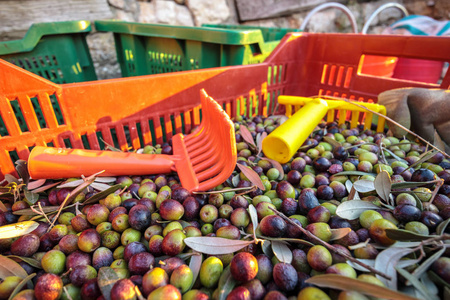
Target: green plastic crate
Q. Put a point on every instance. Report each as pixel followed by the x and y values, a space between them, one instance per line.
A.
pixel 57 51
pixel 155 48
pixel 269 33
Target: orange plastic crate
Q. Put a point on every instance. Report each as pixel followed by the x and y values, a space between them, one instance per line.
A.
pixel 133 112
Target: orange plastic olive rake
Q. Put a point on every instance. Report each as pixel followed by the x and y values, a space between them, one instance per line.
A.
pixel 202 159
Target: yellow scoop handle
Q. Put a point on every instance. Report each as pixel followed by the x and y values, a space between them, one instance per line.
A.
pixel 282 143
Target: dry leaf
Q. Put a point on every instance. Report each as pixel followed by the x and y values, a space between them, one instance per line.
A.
pixel 246 135
pixel 3 207
pixel 215 245
pixel 45 187
pixel 100 186
pixel 382 185
pixel 10 179
pixel 22 170
pixel 8 267
pixel 106 279
pixel 101 195
pixel 364 186
pixel 282 251
pixel 352 209
pixel 259 138
pixel 339 233
pixel 35 184
pixel 17 229
pixel 350 284
pixel 332 142
pixel 252 176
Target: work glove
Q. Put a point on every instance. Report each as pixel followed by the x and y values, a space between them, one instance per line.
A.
pixel 423 111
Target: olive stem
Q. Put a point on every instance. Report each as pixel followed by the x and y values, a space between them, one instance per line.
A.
pixel 436 189
pixel 329 246
pixel 397 124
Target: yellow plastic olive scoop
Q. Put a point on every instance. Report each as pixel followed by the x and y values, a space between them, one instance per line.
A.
pixel 282 143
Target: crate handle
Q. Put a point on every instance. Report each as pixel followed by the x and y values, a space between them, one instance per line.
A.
pixel 379 10
pixel 324 6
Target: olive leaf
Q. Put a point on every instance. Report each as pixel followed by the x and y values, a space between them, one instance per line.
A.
pixel 422 158
pixel 350 284
pixel 355 173
pixel 394 155
pixel 9 267
pixel 100 186
pixel 438 279
pixel 106 179
pixel 107 277
pixel 235 180
pixel 17 229
pixel 215 245
pixel 409 184
pixel 440 229
pixel 254 217
pixel 348 186
pixel 426 294
pixel 11 179
pixel 252 176
pixel 429 284
pixel 424 266
pixel 22 170
pixel 31 261
pixel 267 248
pixel 358 267
pixel 195 264
pixel 406 235
pixel 351 210
pixel 286 240
pixel 386 261
pixel 276 165
pixel 364 186
pixel 331 141
pixel 339 233
pixel 101 195
pixel 382 185
pixel 226 284
pixel 246 135
pixel 31 212
pixel 19 287
pixel 30 197
pixel 282 251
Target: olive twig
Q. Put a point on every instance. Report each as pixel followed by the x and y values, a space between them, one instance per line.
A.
pixel 397 124
pixel 439 183
pixel 328 246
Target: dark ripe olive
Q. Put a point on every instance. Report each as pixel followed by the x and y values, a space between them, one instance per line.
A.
pixel 405 213
pixel 306 201
pixel 340 153
pixel 430 219
pixel 293 177
pixel 321 164
pixel 289 206
pixel 325 192
pixel 423 175
pixel 180 194
pixel 338 222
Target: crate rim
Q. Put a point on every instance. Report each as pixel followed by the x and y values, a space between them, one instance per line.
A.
pixel 38 30
pixel 202 34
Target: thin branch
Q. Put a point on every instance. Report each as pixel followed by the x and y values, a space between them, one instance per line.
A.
pixel 330 247
pixel 395 123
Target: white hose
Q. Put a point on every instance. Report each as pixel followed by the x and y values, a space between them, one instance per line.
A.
pixel 381 8
pixel 331 5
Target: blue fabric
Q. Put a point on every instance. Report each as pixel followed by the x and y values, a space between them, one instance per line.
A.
pixel 419 25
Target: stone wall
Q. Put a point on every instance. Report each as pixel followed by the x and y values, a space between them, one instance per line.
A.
pixel 268 13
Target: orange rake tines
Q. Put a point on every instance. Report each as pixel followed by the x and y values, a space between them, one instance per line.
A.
pixel 203 159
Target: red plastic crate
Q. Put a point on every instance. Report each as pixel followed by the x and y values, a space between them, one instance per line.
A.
pixel 133 112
